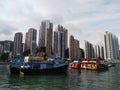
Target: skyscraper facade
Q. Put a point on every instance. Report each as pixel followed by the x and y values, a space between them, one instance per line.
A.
pixel 30 41
pixel 89 50
pixel 99 51
pixel 102 52
pixel 6 47
pixel 27 41
pixel 55 46
pixel 81 53
pixel 17 43
pixel 111 46
pixel 1 48
pixel 45 36
pixel 74 50
pixel 60 41
pixel 48 42
pixel 71 48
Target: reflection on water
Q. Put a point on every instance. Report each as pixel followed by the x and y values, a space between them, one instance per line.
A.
pixel 73 80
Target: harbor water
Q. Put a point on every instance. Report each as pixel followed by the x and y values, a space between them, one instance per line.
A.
pixel 72 80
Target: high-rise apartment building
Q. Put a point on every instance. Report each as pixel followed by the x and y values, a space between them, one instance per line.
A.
pixel 17 43
pixel 30 41
pixel 60 41
pixel 99 51
pixel 71 47
pixel 48 42
pixel 74 50
pixel 55 46
pixel 45 36
pixel 1 48
pixel 102 52
pixel 6 47
pixel 111 46
pixel 27 41
pixel 81 53
pixel 89 50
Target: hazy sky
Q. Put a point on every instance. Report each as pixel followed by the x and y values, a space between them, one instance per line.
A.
pixel 85 19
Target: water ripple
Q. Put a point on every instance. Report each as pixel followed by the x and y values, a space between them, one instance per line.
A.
pixel 73 80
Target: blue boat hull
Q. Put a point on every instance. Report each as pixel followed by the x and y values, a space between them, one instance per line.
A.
pixel 56 70
pixel 14 70
pixel 62 69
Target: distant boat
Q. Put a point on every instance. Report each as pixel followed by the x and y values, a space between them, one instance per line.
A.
pixel 93 64
pixel 75 64
pixel 35 65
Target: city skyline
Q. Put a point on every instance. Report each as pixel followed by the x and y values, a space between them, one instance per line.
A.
pixel 82 18
pixel 60 45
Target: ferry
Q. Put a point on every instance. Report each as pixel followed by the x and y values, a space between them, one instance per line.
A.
pixel 36 65
pixel 93 64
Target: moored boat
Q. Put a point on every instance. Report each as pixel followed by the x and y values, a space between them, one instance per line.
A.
pixel 75 64
pixel 93 64
pixel 15 64
pixel 35 65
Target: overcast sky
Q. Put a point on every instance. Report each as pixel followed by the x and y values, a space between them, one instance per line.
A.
pixel 84 19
